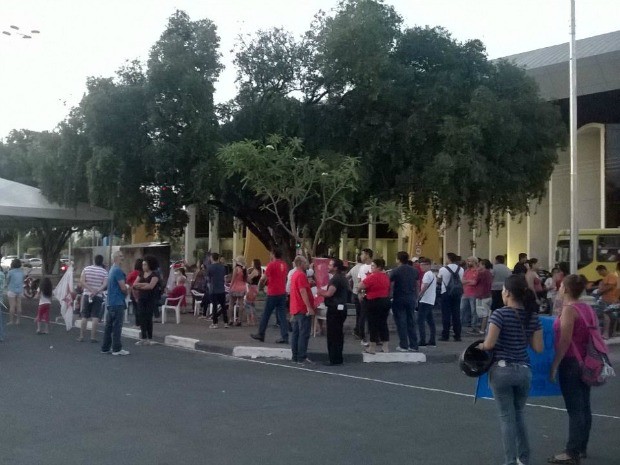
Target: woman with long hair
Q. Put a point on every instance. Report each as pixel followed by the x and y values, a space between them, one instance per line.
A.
pixel 571 339
pixel 132 277
pixel 511 329
pixel 148 298
pixel 376 287
pixel 238 287
pixel 254 275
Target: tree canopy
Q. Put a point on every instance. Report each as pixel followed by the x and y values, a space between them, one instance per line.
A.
pixel 404 118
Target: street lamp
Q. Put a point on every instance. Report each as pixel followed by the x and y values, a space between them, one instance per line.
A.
pixel 17 32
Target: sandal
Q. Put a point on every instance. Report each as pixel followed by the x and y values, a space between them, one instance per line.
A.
pixel 564 458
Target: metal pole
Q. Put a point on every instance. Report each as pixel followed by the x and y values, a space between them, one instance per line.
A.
pixel 574 235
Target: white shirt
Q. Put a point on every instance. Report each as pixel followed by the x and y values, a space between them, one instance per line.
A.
pixel 363 272
pixel 446 276
pixel 430 294
pixel 288 280
pixel 94 277
pixel 353 275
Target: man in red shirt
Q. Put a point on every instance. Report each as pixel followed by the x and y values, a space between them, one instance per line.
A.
pixel 302 309
pixel 275 278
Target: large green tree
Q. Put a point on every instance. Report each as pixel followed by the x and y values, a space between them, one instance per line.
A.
pixel 435 124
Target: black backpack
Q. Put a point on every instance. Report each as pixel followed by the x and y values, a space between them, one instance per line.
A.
pixel 454 288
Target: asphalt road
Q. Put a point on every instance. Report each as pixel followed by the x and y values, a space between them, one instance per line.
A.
pixel 63 402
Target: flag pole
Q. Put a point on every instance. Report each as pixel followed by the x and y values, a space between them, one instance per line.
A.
pixel 574 235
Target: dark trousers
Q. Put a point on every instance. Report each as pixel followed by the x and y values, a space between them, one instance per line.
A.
pixel 450 315
pixel 361 314
pixel 576 396
pixel 146 310
pixel 403 311
pixel 378 312
pixel 335 334
pixel 219 300
pixel 204 304
pixel 496 300
pixel 113 328
pixel 358 312
pixel 425 316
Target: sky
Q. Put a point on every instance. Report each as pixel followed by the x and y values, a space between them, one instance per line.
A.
pixel 43 77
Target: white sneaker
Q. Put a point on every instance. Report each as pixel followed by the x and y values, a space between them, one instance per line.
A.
pixel 139 342
pixel 121 352
pixel 213 326
pixel 364 343
pixel 400 349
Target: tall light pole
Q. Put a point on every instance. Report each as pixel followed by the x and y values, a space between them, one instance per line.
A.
pixel 574 234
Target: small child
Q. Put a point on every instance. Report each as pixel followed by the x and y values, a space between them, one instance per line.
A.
pixel 180 290
pixel 45 302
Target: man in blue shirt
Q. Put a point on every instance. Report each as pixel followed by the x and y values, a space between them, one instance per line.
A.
pixel 404 292
pixel 117 290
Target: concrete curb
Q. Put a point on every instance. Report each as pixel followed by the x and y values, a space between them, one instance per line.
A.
pixel 184 342
pixel 395 357
pixel 262 352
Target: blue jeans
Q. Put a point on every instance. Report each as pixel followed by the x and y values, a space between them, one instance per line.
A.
pixel 576 396
pixel 113 328
pixel 277 302
pixel 425 315
pixel 469 317
pixel 403 311
pixel 510 385
pixel 300 336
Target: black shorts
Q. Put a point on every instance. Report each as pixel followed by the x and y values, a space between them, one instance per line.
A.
pixel 92 309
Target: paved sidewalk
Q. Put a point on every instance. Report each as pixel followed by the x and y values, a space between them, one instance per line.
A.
pixel 195 333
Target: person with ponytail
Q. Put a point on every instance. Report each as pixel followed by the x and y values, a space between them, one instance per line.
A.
pixel 571 340
pixel 510 330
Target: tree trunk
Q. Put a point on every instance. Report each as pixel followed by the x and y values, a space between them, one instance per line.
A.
pixel 52 241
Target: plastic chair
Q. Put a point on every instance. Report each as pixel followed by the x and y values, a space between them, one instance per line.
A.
pixel 171 304
pixel 198 296
pixel 320 314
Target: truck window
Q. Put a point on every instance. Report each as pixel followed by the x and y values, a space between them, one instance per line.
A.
pixel 586 252
pixel 608 247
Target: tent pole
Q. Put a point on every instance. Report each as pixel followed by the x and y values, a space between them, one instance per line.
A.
pixel 110 243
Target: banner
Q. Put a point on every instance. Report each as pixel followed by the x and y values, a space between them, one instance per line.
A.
pixel 321 277
pixel 64 294
pixel 541 365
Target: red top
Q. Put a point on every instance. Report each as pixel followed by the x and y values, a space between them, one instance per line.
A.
pixel 484 281
pixel 581 334
pixel 420 272
pixel 131 277
pixel 178 291
pixel 237 282
pixel 299 281
pixel 470 274
pixel 377 285
pixel 276 272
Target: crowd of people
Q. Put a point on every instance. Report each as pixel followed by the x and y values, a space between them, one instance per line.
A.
pixel 491 300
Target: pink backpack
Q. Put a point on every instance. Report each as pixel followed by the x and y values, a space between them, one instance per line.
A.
pixel 595 366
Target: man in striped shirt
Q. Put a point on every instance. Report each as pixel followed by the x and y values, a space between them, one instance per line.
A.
pixel 94 280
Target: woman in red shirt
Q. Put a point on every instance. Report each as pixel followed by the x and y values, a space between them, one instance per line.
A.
pixel 376 286
pixel 133 297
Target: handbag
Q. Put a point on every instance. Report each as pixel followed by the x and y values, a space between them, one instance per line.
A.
pixel 595 366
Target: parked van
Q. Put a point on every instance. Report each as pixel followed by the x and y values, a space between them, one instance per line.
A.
pixel 596 247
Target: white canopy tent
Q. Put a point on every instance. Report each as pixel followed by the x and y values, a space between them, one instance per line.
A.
pixel 25 207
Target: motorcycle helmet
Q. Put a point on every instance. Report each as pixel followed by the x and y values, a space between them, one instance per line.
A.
pixel 475 362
